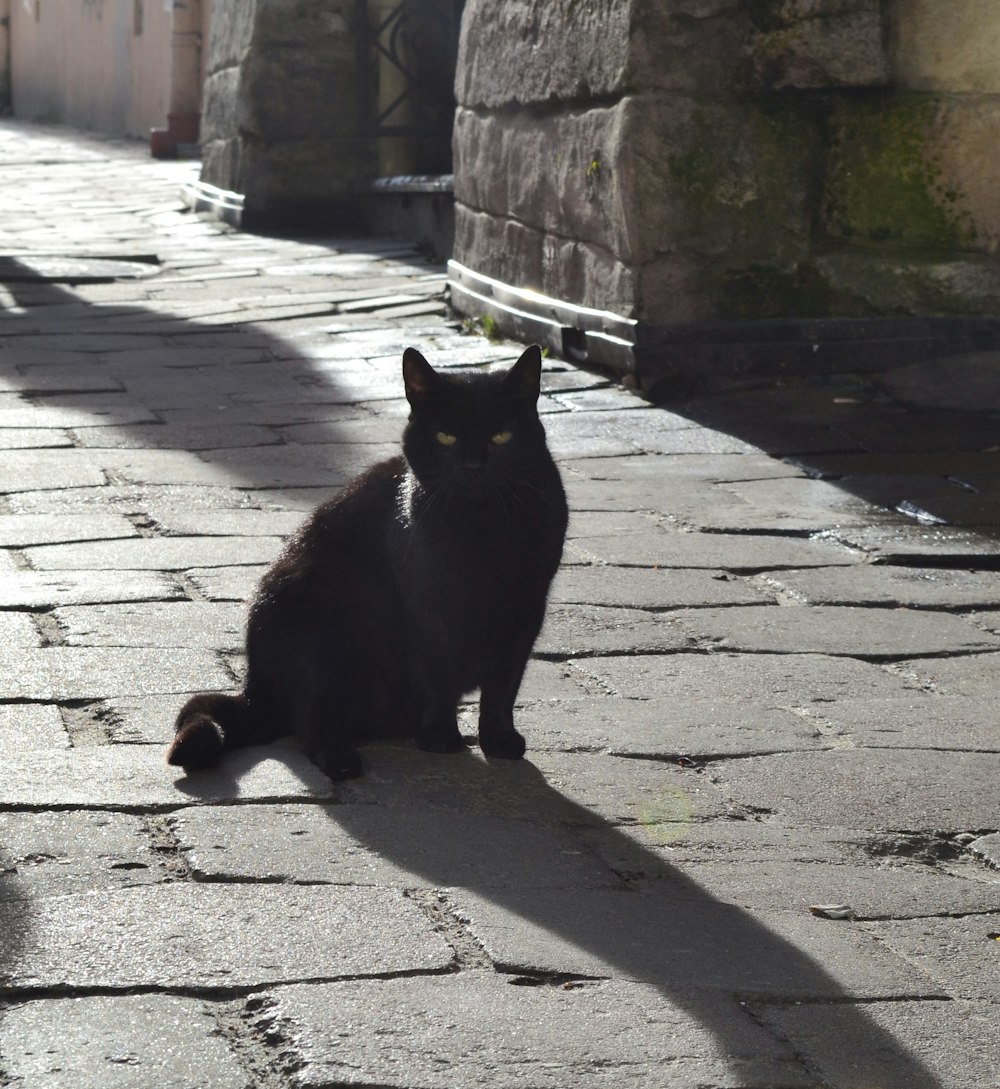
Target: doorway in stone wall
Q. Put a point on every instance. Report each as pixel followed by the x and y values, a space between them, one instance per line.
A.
pixel 407 57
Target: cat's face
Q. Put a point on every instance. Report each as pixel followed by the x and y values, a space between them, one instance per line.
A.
pixel 472 434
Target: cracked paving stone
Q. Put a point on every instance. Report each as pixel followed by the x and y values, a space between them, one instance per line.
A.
pixel 403 847
pixel 595 629
pixel 190 624
pixel 871 891
pixel 973 675
pixel 876 584
pixel 136 776
pixel 117 1042
pixel 652 588
pixel 927 722
pixel 101 414
pixel 835 630
pixel 553 681
pixel 916 544
pixel 868 788
pixel 21 530
pixel 666 729
pixel 56 854
pixel 34 438
pixel 476 1030
pixel 155 553
pixel 677 936
pixel 18 630
pixel 227 583
pixel 961 954
pixel 41 589
pixel 142 720
pixel 950 1045
pixel 779 680
pixel 660 547
pixel 224 523
pixel 187 935
pixel 96 673
pixel 31 726
pixel 128 498
pixel 988 849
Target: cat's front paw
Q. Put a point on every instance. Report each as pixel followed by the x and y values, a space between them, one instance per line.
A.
pixel 506 744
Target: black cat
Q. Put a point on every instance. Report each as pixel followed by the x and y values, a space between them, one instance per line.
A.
pixel 424 580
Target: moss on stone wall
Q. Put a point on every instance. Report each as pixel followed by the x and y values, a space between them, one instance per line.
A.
pixel 885 183
pixel 759 291
pixel 740 180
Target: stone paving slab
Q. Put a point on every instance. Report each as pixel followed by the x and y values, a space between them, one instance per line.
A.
pixel 191 624
pixel 653 587
pixel 940 1045
pixel 595 629
pixel 28 438
pixel 938 722
pixel 962 955
pixel 126 1042
pixel 155 553
pixel 31 470
pixel 728 551
pixel 162 436
pixel 227 583
pixel 836 629
pixel 137 777
pixel 219 936
pixel 916 545
pixel 404 847
pixel 873 584
pixel 477 1030
pixel 654 470
pixel 667 729
pixel 18 630
pixel 786 680
pixel 74 673
pixel 141 720
pixel 31 726
pixel 869 788
pixel 41 589
pixel 60 853
pixel 127 498
pixel 974 676
pixel 20 530
pixel 871 892
pixel 224 523
pixel 680 937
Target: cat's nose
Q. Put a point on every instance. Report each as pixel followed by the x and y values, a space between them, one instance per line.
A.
pixel 474 462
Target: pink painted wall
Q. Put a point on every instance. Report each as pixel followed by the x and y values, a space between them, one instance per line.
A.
pixel 94 64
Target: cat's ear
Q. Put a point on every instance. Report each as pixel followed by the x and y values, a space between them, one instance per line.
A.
pixel 524 379
pixel 419 377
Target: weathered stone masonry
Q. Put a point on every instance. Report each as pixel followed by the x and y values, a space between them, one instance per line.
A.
pixel 679 161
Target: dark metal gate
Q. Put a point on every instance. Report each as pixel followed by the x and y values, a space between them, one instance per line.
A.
pixel 407 54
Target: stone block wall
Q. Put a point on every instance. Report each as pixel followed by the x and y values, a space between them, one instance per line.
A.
pixel 280 123
pixel 695 160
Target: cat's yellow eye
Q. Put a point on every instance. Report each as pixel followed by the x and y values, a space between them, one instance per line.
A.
pixel 501 437
pixel 445 439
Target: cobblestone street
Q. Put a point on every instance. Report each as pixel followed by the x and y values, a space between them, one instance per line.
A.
pixel 755 842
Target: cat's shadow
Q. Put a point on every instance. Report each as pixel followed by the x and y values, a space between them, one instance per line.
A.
pixel 552 890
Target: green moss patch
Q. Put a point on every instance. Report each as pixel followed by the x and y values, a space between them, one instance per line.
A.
pixel 884 182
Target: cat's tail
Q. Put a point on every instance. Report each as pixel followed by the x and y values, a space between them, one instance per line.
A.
pixel 211 724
